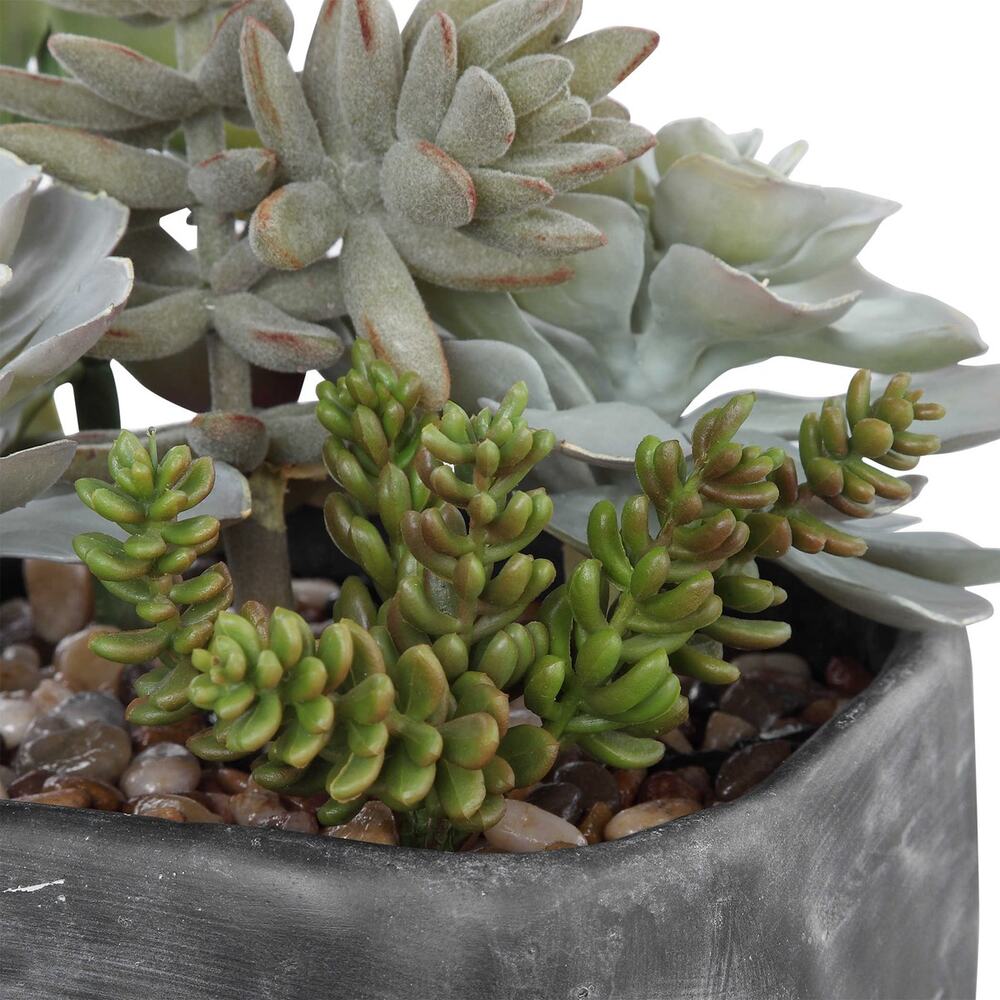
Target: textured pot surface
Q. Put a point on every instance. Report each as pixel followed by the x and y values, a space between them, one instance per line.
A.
pixel 851 873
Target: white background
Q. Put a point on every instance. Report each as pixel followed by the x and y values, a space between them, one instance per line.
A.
pixel 898 99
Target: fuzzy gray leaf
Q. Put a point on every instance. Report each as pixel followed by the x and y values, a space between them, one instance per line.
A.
pixel 277 103
pixel 932 555
pixel 18 182
pixel 319 78
pixel 237 438
pixel 560 117
pixel 26 474
pixel 265 336
pixel 128 78
pixel 234 180
pixel 295 435
pixel 158 258
pixel 158 330
pixel 633 140
pixel 136 177
pixel 534 80
pixel 479 125
pixel 499 193
pixel 314 293
pixel 457 10
pixel 565 165
pixel 422 183
pixel 555 33
pixel 60 101
pixel 539 232
pixel 487 37
pixel 604 58
pixel 238 269
pixel 296 225
pixel 486 369
pixel 429 82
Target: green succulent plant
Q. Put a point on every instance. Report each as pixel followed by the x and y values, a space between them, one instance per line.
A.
pixel 716 260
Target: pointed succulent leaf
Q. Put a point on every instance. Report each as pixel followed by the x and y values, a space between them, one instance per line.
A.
pixel 276 101
pixel 265 336
pixel 234 180
pixel 369 71
pixel 295 436
pixel 237 438
pixel 602 59
pixel 137 177
pixel 633 140
pixel 313 293
pixel 128 78
pixel 157 330
pixel 479 124
pixel 103 8
pixel 219 73
pixel 488 368
pixel 26 474
pixel 319 77
pixel 159 259
pixel 18 181
pixel 424 184
pixel 555 33
pixel 429 82
pixel 448 257
pixel 457 10
pixel 61 101
pixel 501 28
pixel 565 165
pixel 553 121
pixel 295 225
pixel 499 193
pixel 386 308
pixel 533 81
pixel 237 269
pixel 539 232
pixel 690 136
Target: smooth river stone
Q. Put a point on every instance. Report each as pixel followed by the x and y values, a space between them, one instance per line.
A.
pixel 50 694
pixel 166 768
pixel 560 798
pixel 755 664
pixel 723 731
pixel 595 781
pixel 748 767
pixel 656 812
pixel 525 828
pixel 257 808
pixel 20 668
pixel 85 707
pixel 521 715
pixel 178 808
pixel 96 751
pixel 15 621
pixel 314 597
pixel 61 597
pixel 80 669
pixel 373 824
pixel 846 676
pixel 17 712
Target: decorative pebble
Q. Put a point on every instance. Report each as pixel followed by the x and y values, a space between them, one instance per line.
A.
pixel 17 712
pixel 231 779
pixel 72 798
pixel 668 785
pixel 752 665
pixel 700 780
pixel 748 701
pixel 820 711
pixel 525 828
pixel 28 784
pixel 94 751
pixel 521 715
pixel 748 767
pixel 629 781
pixel 723 731
pixel 298 822
pixel 847 676
pixel 648 814
pixel 373 824
pixel 177 732
pixel 15 621
pixel 162 769
pixel 102 795
pixel 61 597
pixel 677 741
pixel 86 707
pixel 179 808
pixel 256 808
pixel 49 694
pixel 82 670
pixel 561 798
pixel 595 781
pixel 595 821
pixel 20 668
pixel 314 597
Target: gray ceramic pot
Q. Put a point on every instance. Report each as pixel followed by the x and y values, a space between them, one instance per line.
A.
pixel 851 873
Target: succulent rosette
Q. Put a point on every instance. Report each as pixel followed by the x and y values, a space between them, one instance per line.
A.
pixel 716 260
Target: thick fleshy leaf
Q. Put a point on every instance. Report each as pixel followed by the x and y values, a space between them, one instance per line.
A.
pixel 159 259
pixel 386 308
pixel 448 257
pixel 633 140
pixel 234 180
pixel 294 226
pixel 486 369
pixel 369 71
pixel 457 10
pixel 240 439
pixel 696 135
pixel 295 435
pixel 314 293
pixel 158 330
pixel 534 80
pixel 479 125
pixel 555 33
pixel 765 224
pixel 265 336
pixel 933 555
pixel 429 82
pixel 885 594
pixel 499 193
pixel 26 474
pixel 237 269
pixel 18 181
pixel 319 78
pixel 539 232
pixel 219 72
pixel 61 101
pixel 486 317
pixel 604 58
pixel 277 104
pixel 565 165
pixel 597 302
pixel 486 38
pixel 137 177
pixel 422 183
pixel 45 527
pixel 603 434
pixel 552 121
pixel 128 78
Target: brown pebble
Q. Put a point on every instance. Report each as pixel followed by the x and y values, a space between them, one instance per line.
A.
pixel 846 675
pixel 748 767
pixel 15 621
pixel 748 701
pixel 73 798
pixel 144 737
pixel 313 597
pixel 520 794
pixel 595 821
pixel 82 670
pixel 257 807
pixel 656 812
pixel 668 785
pixel 154 805
pixel 678 742
pixel 297 822
pixel 231 779
pixel 20 668
pixel 374 824
pixel 723 731
pixel 628 785
pixel 28 783
pixel 700 780
pixel 558 845
pixel 102 795
pixel 61 597
pixel 50 694
pixel 309 803
pixel 171 813
pixel 218 802
pixel 753 665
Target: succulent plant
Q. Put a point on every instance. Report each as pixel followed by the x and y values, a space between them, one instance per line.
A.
pixel 716 260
